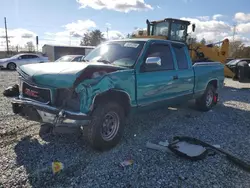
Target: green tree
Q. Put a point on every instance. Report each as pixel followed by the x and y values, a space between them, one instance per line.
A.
pixel 191 40
pixel 92 38
pixel 86 40
pixel 203 41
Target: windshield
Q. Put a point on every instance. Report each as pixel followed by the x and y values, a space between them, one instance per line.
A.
pixel 161 29
pixel 15 56
pixel 65 59
pixel 121 53
pixel 178 32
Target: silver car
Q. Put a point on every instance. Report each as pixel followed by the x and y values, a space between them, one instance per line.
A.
pixel 22 59
pixel 70 58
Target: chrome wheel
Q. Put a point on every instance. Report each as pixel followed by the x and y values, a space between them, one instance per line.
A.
pixel 209 98
pixel 110 126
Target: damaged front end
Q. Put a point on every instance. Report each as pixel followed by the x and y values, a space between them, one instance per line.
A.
pixel 60 107
pixel 70 106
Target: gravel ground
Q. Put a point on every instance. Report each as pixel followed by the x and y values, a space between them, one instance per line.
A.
pixel 25 159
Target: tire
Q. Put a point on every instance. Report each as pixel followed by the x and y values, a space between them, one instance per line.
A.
pixel 11 66
pixel 100 138
pixel 45 130
pixel 207 100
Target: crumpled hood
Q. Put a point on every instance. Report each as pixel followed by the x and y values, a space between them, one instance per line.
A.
pixel 60 74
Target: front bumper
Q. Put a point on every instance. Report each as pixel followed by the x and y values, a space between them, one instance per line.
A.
pixel 40 112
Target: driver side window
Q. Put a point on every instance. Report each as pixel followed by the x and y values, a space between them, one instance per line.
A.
pixel 162 51
pixel 24 57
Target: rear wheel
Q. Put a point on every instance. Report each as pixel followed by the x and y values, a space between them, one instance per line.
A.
pixel 106 128
pixel 11 66
pixel 208 99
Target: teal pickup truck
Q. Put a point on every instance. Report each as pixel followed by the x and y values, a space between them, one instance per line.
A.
pixel 116 78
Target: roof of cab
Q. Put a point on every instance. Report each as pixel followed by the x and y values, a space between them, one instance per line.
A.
pixel 147 39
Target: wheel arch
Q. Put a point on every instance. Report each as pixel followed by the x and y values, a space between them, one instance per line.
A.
pixel 213 82
pixel 119 96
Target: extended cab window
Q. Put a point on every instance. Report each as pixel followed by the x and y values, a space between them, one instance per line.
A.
pixel 163 51
pixel 180 55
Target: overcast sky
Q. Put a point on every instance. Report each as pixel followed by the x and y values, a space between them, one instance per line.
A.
pixel 64 21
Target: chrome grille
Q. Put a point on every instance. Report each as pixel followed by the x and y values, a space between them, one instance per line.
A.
pixel 35 93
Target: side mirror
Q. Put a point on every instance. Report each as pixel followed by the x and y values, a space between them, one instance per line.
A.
pixel 153 61
pixel 19 58
pixel 193 27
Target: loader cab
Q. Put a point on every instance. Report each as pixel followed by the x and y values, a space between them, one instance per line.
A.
pixel 172 29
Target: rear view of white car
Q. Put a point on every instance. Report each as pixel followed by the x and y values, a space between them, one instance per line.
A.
pixel 22 59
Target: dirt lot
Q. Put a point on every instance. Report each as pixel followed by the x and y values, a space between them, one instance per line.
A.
pixel 25 159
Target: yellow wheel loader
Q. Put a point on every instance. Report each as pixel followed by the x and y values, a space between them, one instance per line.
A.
pixel 177 30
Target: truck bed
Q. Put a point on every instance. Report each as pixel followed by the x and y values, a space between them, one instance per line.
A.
pixel 204 72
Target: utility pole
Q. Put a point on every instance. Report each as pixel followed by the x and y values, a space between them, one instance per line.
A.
pixel 233 46
pixel 234 31
pixel 6 33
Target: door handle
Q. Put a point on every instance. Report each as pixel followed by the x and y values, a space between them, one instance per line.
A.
pixel 175 77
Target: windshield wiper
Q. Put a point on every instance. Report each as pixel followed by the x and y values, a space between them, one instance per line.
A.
pixel 104 61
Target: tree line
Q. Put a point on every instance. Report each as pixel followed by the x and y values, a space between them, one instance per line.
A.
pixel 237 49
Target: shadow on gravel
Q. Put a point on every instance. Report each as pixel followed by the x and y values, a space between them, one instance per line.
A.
pixel 37 159
pixel 7 70
pixel 232 89
pixel 236 94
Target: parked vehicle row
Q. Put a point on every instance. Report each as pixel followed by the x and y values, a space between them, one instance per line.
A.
pixel 70 58
pixel 30 58
pixel 21 59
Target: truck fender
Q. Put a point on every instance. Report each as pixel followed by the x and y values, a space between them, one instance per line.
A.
pixel 120 96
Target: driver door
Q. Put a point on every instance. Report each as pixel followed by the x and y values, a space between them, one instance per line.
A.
pixel 157 83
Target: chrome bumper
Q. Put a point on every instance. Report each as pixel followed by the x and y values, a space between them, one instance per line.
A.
pixel 50 114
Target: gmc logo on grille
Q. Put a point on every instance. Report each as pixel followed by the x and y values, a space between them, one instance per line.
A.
pixel 31 92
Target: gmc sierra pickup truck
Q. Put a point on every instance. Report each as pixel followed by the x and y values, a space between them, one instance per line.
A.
pixel 116 79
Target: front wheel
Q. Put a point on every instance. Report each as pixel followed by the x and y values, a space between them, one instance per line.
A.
pixel 11 66
pixel 208 99
pixel 106 128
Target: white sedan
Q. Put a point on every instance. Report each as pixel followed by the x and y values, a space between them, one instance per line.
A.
pixel 22 59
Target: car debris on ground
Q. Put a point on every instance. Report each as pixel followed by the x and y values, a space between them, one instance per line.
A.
pixel 126 163
pixel 195 149
pixel 11 91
